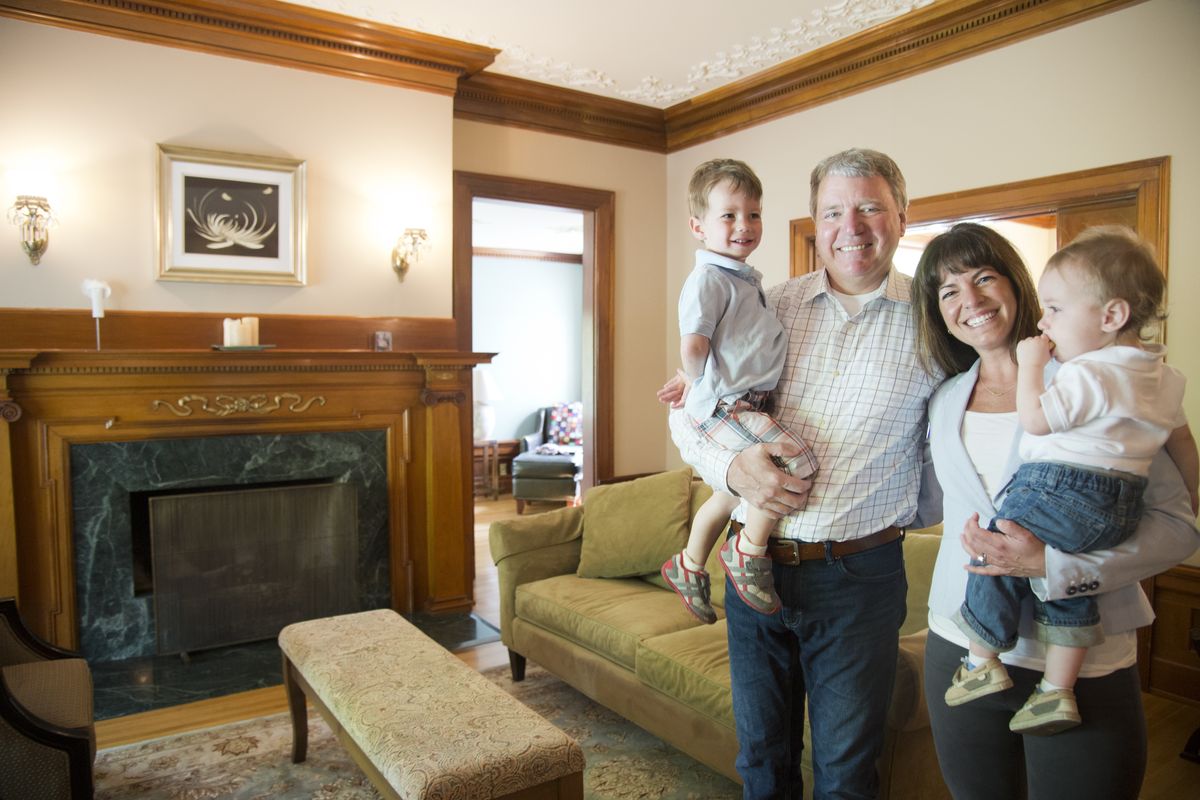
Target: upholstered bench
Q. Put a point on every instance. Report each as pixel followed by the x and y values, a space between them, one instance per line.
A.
pixel 419 722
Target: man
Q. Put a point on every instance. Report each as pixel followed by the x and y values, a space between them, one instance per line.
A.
pixel 853 389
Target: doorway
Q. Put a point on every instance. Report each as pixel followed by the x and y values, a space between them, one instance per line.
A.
pixel 596 357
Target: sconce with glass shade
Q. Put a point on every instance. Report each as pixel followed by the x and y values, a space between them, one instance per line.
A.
pixel 33 216
pixel 408 250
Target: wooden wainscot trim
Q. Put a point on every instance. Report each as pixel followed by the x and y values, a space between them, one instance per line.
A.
pixel 76 397
pixel 132 331
pixel 1174 658
pixel 272 32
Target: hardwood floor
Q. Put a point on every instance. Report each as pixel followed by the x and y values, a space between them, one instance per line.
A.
pixel 1168 777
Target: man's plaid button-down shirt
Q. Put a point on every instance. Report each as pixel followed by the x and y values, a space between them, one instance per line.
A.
pixel 853 389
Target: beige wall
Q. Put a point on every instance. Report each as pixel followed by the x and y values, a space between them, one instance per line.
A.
pixel 1110 90
pixel 92 108
pixel 638 179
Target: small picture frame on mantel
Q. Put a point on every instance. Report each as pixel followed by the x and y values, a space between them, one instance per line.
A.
pixel 230 217
pixel 383 341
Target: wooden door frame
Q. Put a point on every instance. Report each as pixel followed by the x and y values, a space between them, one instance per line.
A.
pixel 1147 181
pixel 599 246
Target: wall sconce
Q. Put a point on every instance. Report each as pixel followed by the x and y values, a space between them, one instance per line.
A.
pixel 408 249
pixel 34 216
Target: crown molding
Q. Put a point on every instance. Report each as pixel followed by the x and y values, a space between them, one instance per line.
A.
pixel 921 40
pixel 297 36
pixel 930 37
pixel 505 100
pixel 274 33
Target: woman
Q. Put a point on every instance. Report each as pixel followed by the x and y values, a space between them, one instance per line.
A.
pixel 973 300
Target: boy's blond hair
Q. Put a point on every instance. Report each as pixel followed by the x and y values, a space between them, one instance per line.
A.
pixel 716 171
pixel 1121 266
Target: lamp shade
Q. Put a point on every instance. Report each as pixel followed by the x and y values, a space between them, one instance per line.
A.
pixel 484 386
pixel 486 392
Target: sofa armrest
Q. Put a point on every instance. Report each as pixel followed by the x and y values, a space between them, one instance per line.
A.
pixel 908 711
pixel 528 549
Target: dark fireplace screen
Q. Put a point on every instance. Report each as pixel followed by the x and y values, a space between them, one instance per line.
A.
pixel 236 566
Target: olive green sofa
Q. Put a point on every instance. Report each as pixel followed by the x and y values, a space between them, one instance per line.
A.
pixel 580 595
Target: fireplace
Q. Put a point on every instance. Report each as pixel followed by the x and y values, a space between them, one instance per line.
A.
pixel 116 485
pixel 239 565
pixel 84 429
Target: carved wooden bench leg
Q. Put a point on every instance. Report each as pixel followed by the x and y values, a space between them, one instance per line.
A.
pixel 299 711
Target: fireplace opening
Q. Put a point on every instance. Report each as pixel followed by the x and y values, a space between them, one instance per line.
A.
pixel 139 522
pixel 236 565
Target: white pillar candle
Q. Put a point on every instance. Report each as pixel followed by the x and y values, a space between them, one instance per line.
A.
pixel 250 326
pixel 228 334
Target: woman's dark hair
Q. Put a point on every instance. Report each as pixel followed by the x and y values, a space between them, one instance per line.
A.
pixel 964 247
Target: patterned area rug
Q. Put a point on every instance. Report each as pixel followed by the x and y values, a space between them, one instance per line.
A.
pixel 252 759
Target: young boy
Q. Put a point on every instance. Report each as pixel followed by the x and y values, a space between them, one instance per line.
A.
pixel 732 348
pixel 1087 445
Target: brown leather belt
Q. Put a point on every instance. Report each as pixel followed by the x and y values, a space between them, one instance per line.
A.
pixel 791 552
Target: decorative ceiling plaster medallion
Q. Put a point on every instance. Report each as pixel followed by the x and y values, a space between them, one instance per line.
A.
pixel 827 25
pixel 834 21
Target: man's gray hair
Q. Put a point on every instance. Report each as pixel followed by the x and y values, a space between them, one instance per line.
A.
pixel 859 162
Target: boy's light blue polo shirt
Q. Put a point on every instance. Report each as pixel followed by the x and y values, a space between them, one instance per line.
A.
pixel 722 299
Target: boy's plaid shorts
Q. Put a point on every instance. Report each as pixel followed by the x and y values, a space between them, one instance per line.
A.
pixel 737 430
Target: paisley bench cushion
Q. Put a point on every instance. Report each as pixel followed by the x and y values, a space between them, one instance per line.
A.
pixel 433 727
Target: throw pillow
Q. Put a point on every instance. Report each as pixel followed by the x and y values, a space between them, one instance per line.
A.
pixel 631 528
pixel 566 424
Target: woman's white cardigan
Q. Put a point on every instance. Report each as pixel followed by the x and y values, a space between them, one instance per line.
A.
pixel 1167 535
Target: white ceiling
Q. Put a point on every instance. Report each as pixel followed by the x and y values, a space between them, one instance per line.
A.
pixel 654 52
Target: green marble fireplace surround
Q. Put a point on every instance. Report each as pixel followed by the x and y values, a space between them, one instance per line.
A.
pixel 107 478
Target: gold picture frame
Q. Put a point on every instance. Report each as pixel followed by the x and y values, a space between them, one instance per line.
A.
pixel 230 217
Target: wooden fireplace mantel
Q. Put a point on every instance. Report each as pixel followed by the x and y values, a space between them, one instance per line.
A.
pixel 53 399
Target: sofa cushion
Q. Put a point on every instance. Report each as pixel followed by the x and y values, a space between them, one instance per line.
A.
pixel 700 493
pixel 631 528
pixel 691 666
pixel 609 617
pixel 534 465
pixel 920 553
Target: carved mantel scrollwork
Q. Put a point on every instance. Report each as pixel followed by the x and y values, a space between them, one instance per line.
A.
pixel 441 386
pixel 431 397
pixel 226 405
pixel 9 411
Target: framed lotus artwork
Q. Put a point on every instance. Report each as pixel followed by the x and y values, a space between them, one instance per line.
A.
pixel 230 218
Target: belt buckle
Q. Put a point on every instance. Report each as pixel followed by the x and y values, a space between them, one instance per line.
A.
pixel 793 548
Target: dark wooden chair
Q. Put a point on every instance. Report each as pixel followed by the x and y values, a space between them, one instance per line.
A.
pixel 47 732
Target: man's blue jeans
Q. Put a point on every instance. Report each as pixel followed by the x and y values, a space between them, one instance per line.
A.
pixel 1073 510
pixel 835 640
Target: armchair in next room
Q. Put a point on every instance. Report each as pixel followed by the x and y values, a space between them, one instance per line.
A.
pixel 550 463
